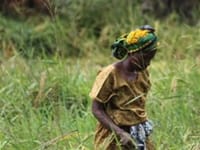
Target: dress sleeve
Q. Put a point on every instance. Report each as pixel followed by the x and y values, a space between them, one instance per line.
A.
pixel 102 89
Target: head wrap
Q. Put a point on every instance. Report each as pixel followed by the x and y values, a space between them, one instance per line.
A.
pixel 143 39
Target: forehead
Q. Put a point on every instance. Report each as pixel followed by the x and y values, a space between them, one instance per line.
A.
pixel 140 52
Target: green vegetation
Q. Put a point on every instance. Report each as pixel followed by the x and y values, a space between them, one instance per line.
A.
pixel 48 65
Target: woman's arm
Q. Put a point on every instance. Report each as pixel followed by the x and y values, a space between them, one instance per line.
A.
pixel 99 112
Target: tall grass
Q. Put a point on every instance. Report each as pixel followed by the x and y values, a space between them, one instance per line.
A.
pixel 34 113
pixel 47 68
pixel 173 104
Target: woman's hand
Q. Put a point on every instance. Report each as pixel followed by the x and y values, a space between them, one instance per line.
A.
pixel 126 140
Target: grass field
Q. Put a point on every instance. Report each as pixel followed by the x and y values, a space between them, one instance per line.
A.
pixel 47 68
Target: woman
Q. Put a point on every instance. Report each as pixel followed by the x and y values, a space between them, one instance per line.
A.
pixel 119 94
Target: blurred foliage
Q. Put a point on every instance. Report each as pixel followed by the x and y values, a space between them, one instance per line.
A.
pixel 78 27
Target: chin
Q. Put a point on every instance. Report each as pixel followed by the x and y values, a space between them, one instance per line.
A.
pixel 142 68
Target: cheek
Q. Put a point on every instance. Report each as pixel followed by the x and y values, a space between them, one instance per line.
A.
pixel 144 60
pixel 148 57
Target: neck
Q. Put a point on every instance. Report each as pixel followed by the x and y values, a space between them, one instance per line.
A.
pixel 127 72
pixel 129 68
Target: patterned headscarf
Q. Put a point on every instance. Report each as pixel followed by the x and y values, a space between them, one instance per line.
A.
pixel 143 39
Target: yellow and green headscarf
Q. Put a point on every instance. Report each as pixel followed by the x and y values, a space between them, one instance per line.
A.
pixel 143 39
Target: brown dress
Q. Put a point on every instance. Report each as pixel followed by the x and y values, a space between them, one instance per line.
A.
pixel 124 102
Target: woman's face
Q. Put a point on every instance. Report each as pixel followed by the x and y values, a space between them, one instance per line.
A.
pixel 140 60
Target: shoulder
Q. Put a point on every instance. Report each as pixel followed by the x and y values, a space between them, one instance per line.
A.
pixel 106 72
pixel 102 87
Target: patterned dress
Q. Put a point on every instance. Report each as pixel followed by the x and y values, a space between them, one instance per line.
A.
pixel 124 102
